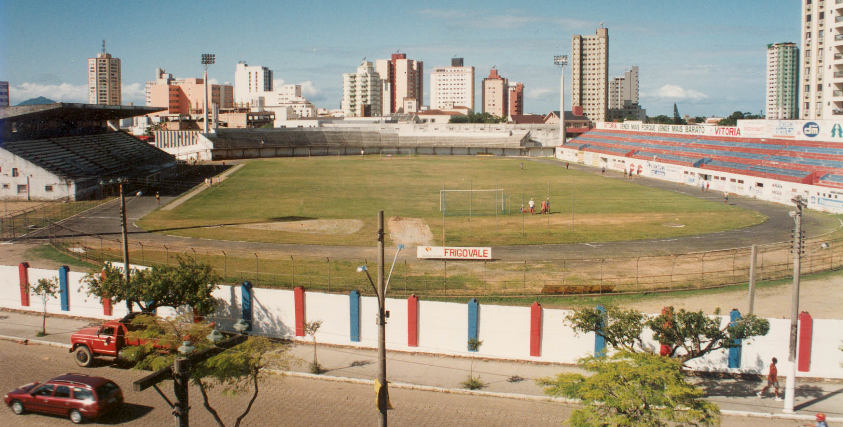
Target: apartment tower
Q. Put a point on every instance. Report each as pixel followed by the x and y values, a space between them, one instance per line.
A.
pixel 782 81
pixel 452 86
pixel 251 82
pixel 495 94
pixel 4 94
pixel 821 76
pixel 589 72
pixel 515 99
pixel 406 81
pixel 104 83
pixel 362 92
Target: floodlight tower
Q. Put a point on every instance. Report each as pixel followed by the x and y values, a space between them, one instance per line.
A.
pixel 207 59
pixel 561 61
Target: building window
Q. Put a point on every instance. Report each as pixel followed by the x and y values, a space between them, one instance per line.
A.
pixel 5 186
pixel 14 172
pixel 21 189
pixel 48 188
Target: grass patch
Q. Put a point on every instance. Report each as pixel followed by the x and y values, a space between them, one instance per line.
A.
pixel 49 253
pixel 584 207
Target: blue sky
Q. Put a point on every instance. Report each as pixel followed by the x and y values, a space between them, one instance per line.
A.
pixel 708 57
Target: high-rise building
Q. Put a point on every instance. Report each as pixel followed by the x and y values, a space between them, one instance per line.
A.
pixel 405 78
pixel 623 97
pixel 589 72
pixel 452 86
pixel 516 99
pixel 782 81
pixel 251 82
pixel 495 94
pixel 362 92
pixel 186 96
pixel 4 94
pixel 104 84
pixel 821 75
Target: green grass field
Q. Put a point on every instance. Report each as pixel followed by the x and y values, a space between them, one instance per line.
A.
pixel 289 190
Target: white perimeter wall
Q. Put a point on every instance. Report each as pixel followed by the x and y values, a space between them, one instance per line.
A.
pixel 443 327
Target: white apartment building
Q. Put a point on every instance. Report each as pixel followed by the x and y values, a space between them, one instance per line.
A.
pixel 289 96
pixel 251 82
pixel 362 92
pixel 623 97
pixel 782 81
pixel 589 74
pixel 821 76
pixel 4 94
pixel 104 79
pixel 452 85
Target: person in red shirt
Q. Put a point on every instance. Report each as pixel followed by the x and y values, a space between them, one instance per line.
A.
pixel 772 381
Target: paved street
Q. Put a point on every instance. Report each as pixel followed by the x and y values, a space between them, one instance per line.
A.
pixel 340 399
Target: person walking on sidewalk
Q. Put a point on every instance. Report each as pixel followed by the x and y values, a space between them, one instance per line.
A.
pixel 772 381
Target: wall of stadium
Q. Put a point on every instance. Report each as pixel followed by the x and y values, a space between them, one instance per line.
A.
pixel 22 180
pixel 803 130
pixel 439 327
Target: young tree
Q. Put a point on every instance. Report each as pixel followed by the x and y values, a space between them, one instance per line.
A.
pixel 188 284
pixel 310 328
pixel 696 333
pixel 46 289
pixel 633 389
pixel 240 369
pixel 472 382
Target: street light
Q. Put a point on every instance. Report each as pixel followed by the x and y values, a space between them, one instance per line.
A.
pixel 207 59
pixel 790 384
pixel 561 61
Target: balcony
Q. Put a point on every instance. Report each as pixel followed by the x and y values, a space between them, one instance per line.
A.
pixel 837 112
pixel 838 37
pixel 837 93
pixel 838 74
pixel 838 56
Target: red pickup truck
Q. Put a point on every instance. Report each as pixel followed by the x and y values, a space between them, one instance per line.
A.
pixel 105 340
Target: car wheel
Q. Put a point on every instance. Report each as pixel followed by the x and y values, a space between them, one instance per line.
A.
pixel 84 358
pixel 17 407
pixel 75 417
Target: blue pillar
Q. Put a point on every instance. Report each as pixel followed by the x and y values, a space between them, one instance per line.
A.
pixel 354 313
pixel 473 308
pixel 246 303
pixel 735 352
pixel 599 341
pixel 64 296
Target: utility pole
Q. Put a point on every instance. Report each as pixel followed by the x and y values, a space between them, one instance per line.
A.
pixel 125 238
pixel 181 377
pixel 790 385
pixel 383 392
pixel 753 257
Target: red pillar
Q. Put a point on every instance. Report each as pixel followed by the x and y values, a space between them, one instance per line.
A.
pixel 299 297
pixel 413 321
pixel 664 349
pixel 806 332
pixel 536 329
pixel 23 272
pixel 106 302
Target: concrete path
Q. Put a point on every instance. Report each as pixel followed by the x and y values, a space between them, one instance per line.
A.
pixel 444 373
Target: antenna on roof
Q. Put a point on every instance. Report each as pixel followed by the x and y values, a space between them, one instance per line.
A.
pixel 103 45
pixel 601 24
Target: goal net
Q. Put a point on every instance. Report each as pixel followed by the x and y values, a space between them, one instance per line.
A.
pixel 472 202
pixel 396 152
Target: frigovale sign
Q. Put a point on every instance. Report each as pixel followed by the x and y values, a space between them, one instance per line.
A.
pixel 447 252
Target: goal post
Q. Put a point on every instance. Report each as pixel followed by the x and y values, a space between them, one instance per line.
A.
pixel 396 152
pixel 472 202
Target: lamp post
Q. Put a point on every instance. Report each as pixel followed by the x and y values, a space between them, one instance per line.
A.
pixel 561 61
pixel 181 376
pixel 380 292
pixel 207 59
pixel 790 384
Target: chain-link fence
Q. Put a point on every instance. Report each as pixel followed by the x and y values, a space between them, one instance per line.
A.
pixel 440 278
pixel 20 223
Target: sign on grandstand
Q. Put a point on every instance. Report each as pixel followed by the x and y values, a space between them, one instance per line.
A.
pixel 821 130
pixel 447 252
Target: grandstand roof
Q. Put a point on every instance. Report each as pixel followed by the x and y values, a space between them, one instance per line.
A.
pixel 73 111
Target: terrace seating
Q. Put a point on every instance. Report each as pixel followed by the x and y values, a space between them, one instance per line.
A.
pixel 90 156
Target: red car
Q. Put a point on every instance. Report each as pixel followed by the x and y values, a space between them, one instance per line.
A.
pixel 76 396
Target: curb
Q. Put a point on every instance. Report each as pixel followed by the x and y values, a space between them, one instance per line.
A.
pixel 27 341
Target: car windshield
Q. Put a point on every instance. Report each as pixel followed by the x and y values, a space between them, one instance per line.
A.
pixel 106 389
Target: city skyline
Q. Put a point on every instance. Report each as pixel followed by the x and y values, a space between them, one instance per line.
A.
pixel 711 61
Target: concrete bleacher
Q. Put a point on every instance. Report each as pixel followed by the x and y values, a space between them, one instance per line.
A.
pixel 107 154
pixel 796 161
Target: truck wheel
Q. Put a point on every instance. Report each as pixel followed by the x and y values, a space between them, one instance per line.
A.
pixel 17 407
pixel 76 417
pixel 84 358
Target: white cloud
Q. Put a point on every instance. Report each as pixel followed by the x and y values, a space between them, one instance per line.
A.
pixel 277 83
pixel 674 92
pixel 311 92
pixel 63 92
pixel 134 92
pixel 541 92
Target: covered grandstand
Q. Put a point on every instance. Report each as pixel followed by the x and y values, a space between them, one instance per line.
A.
pixel 65 151
pixel 776 163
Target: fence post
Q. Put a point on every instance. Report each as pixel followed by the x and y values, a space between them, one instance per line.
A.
pixel 143 259
pixel 637 272
pixel 224 266
pixel 257 271
pixel 702 270
pixel 600 289
pixel 445 281
pixel 165 248
pixel 734 256
pixel 194 253
pixel 672 269
pixel 294 270
pixel 329 276
pixel 524 280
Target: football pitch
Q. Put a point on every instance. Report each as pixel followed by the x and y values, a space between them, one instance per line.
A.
pixel 335 200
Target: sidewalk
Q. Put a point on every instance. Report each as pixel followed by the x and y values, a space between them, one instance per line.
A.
pixel 442 373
